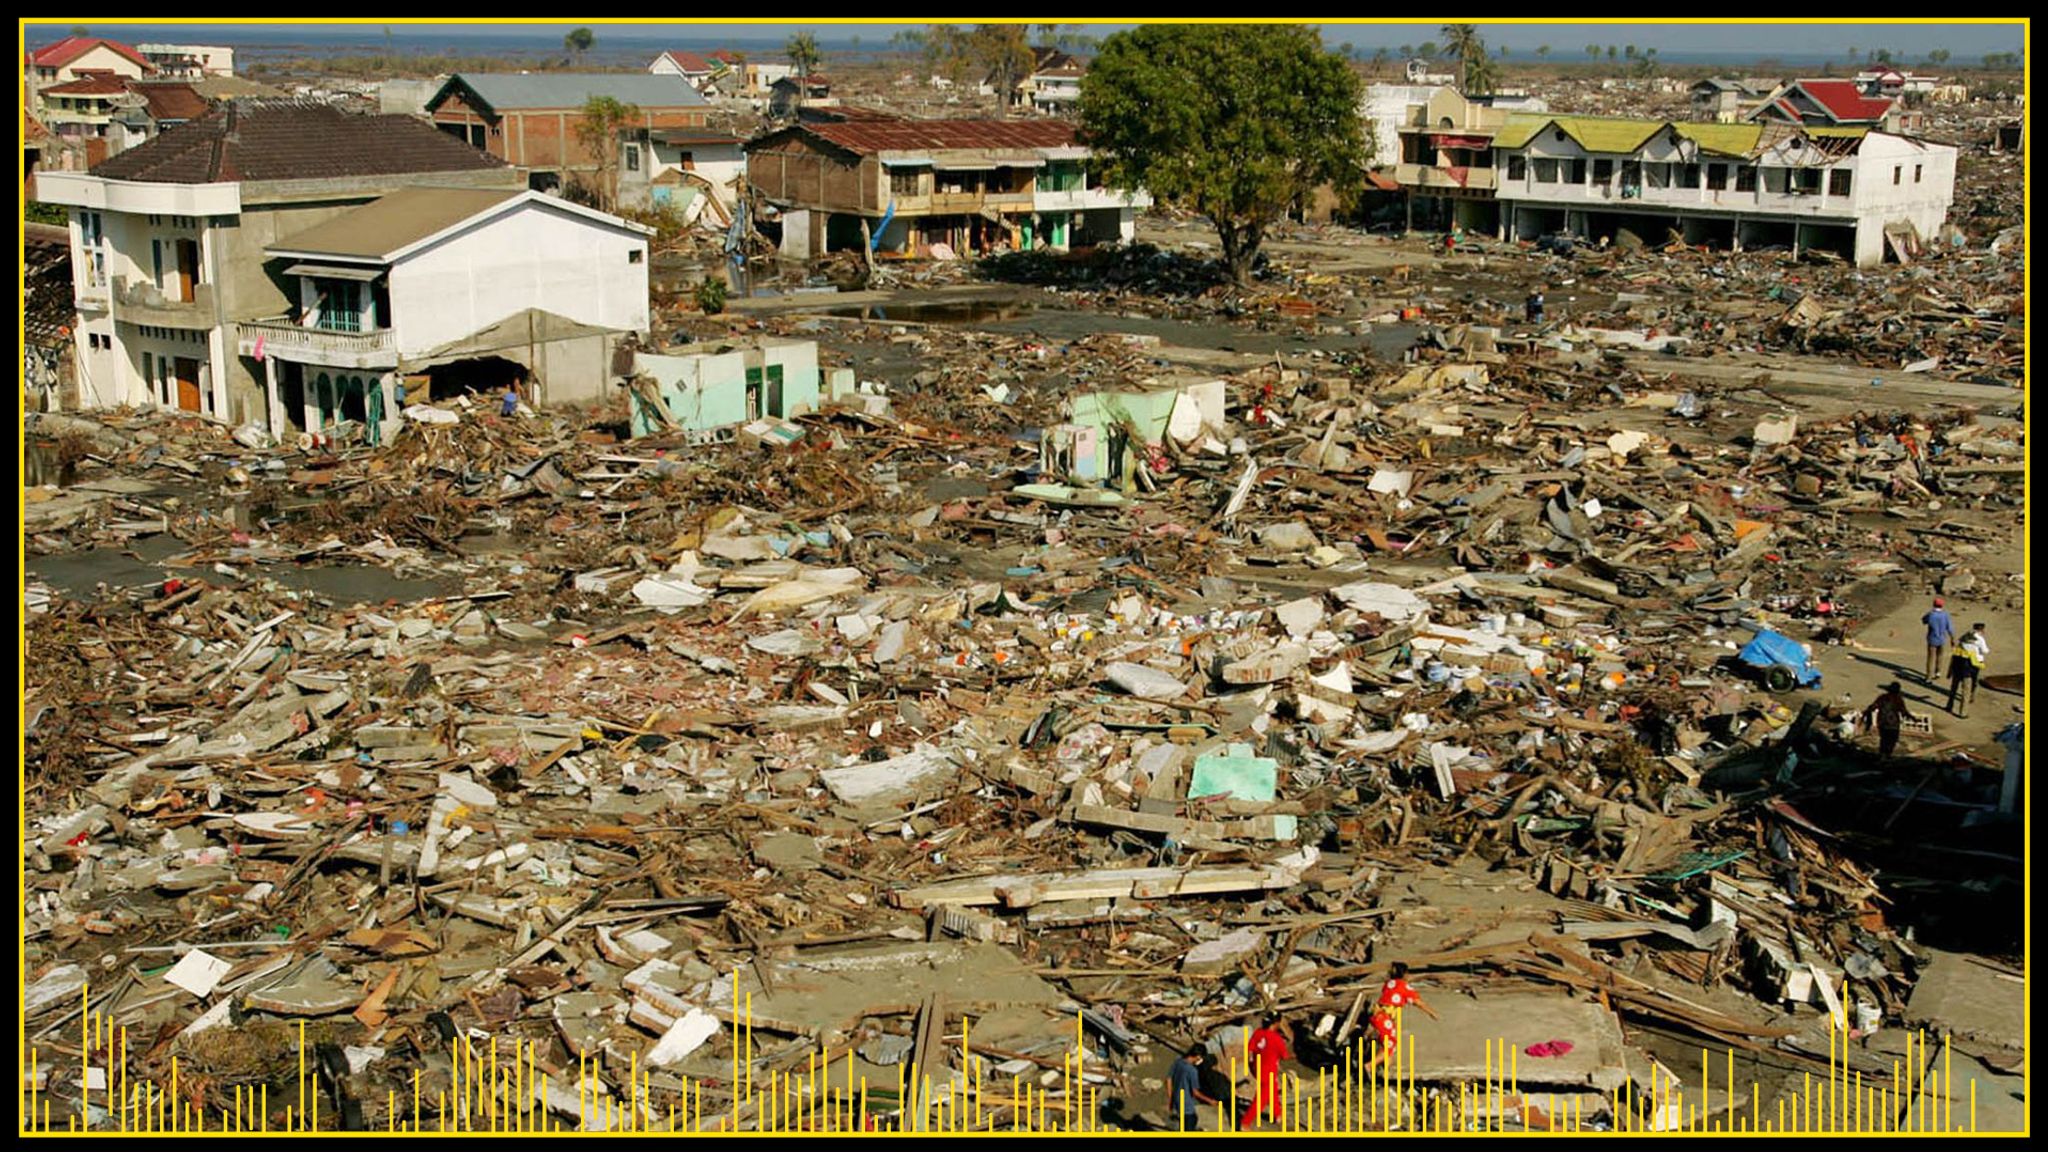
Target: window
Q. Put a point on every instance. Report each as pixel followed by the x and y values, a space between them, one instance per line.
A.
pixel 1717 177
pixel 149 369
pixel 1657 175
pixel 1518 168
pixel 339 305
pixel 1896 173
pixel 689 161
pixel 1916 173
pixel 1578 171
pixel 1778 181
pixel 1806 181
pixel 1838 182
pixel 156 260
pixel 632 157
pixel 1745 178
pixel 906 182
pixel 635 256
pixel 1603 171
pixel 1546 171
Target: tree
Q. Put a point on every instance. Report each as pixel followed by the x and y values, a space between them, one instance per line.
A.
pixel 1884 55
pixel 579 42
pixel 598 132
pixel 1938 57
pixel 1593 50
pixel 1543 52
pixel 1004 53
pixel 803 53
pixel 1610 53
pixel 1854 52
pixel 1629 52
pixel 1407 51
pixel 1475 71
pixel 1379 61
pixel 1235 123
pixel 1427 50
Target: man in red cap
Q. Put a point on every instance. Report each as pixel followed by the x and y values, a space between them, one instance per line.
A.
pixel 1941 632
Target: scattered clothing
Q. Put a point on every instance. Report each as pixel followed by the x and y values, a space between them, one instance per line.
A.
pixel 1549 1048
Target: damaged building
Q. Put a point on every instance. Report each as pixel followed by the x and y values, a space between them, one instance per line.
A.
pixel 936 187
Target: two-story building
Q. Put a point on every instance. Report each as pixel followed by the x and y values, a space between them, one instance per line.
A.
pixel 189 61
pixel 1836 104
pixel 1054 85
pixel 76 57
pixel 689 65
pixel 452 289
pixel 529 120
pixel 1850 190
pixel 907 185
pixel 109 114
pixel 168 239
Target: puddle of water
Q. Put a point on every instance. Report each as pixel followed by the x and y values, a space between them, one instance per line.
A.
pixel 39 466
pixel 78 574
pixel 965 312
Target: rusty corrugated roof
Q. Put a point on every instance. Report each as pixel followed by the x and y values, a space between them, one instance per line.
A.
pixel 870 136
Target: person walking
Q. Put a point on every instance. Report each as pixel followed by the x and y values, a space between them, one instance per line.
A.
pixel 1532 308
pixel 1184 1082
pixel 1396 992
pixel 1941 632
pixel 1267 1048
pixel 1966 667
pixel 1890 712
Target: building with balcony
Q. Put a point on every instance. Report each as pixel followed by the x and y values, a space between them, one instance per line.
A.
pixel 1445 159
pixel 168 239
pixel 189 61
pixel 76 57
pixel 529 120
pixel 1850 190
pixel 1054 85
pixel 453 290
pixel 906 185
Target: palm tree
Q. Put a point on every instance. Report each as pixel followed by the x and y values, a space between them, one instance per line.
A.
pixel 803 52
pixel 1610 53
pixel 1593 50
pixel 1854 52
pixel 1543 52
pixel 1379 61
pixel 1462 41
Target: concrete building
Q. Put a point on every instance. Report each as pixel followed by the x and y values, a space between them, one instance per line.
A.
pixel 970 185
pixel 1850 190
pixel 168 239
pixel 106 115
pixel 705 394
pixel 1054 85
pixel 189 61
pixel 1834 103
pixel 696 171
pixel 689 65
pixel 453 289
pixel 76 57
pixel 529 119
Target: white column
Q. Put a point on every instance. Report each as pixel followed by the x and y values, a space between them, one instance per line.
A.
pixel 273 402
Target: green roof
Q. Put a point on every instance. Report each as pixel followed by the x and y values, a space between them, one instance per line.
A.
pixel 1623 134
pixel 1724 139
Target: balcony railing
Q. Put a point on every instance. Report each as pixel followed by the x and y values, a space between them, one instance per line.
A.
pixel 282 337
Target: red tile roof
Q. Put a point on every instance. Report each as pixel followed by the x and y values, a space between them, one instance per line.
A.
pixel 1844 102
pixel 72 47
pixel 170 100
pixel 96 85
pixel 293 140
pixel 869 136
pixel 689 61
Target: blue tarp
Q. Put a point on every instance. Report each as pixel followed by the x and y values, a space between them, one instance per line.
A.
pixel 1771 649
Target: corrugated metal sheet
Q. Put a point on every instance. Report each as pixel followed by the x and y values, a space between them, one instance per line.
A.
pixel 871 136
pixel 1722 139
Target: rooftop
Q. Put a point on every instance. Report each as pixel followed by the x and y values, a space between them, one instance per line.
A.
pixel 72 47
pixel 508 91
pixel 867 137
pixel 293 140
pixel 382 228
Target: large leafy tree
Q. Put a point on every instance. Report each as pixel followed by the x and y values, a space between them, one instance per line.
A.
pixel 579 42
pixel 1235 123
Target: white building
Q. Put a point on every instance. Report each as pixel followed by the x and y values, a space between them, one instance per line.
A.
pixel 472 288
pixel 167 238
pixel 189 61
pixel 1732 185
pixel 691 169
pixel 1385 109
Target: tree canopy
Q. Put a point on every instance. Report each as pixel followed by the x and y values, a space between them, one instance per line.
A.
pixel 1236 123
pixel 579 41
pixel 598 131
pixel 803 53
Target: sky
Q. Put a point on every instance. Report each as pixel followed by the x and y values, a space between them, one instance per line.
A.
pixel 1909 41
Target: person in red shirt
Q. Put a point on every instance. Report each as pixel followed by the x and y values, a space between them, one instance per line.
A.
pixel 1396 993
pixel 1386 1035
pixel 1268 1047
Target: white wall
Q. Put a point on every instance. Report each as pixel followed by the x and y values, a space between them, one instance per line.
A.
pixel 1926 199
pixel 537 256
pixel 1384 110
pixel 721 164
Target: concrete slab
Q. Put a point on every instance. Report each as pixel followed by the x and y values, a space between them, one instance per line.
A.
pixel 824 991
pixel 1456 1047
pixel 1981 1009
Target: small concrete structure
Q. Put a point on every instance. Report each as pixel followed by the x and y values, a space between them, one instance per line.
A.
pixel 705 392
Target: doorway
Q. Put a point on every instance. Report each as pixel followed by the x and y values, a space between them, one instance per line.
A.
pixel 188 269
pixel 186 372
